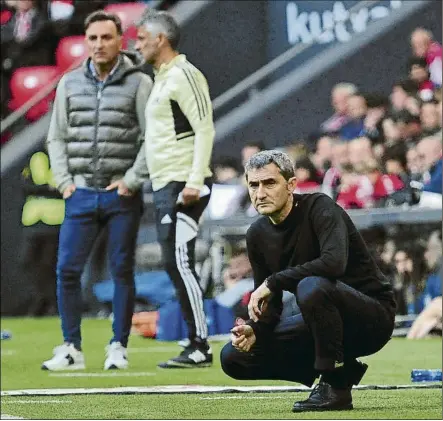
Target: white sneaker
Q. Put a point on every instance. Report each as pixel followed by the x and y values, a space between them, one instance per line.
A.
pixel 116 356
pixel 66 357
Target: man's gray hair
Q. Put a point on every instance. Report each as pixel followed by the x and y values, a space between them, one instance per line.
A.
pixel 263 158
pixel 163 23
pixel 349 88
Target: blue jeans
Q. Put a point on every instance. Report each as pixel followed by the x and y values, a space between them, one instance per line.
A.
pixel 87 212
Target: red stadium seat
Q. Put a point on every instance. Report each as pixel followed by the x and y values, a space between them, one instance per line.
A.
pixel 129 37
pixel 69 51
pixel 127 12
pixel 26 82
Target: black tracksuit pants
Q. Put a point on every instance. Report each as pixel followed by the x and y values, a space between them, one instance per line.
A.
pixel 337 324
pixel 177 229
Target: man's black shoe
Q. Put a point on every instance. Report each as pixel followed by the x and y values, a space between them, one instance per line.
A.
pixel 325 398
pixel 191 357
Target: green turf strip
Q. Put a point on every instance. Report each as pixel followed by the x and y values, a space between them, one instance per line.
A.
pixel 33 340
pixel 397 404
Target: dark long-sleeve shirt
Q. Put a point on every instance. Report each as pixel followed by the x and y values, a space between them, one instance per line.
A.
pixel 317 238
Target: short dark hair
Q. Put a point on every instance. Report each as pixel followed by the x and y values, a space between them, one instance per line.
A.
pixel 417 61
pixel 101 16
pixel 408 85
pixel 397 153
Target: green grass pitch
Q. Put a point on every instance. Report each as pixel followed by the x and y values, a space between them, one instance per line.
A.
pixel 33 340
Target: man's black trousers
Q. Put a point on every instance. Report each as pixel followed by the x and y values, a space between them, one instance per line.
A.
pixel 337 324
pixel 177 229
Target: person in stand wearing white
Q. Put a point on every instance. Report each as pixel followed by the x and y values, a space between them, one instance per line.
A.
pixel 179 140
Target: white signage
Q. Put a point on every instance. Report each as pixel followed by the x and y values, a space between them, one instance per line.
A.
pixel 338 24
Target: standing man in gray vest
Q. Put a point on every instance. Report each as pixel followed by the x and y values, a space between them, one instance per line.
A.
pixel 95 146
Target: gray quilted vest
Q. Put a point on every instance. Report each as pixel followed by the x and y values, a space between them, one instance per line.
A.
pixel 103 136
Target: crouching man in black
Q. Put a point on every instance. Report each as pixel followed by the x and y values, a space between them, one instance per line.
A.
pixel 308 245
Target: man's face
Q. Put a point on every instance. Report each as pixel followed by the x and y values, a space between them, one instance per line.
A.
pixel 247 152
pixel 398 98
pixel 339 100
pixel 356 107
pixel 268 189
pixel 148 44
pixel 359 151
pixel 428 154
pixel 420 44
pixel 429 116
pixel 433 251
pixel 418 73
pixel 340 154
pixel 393 167
pixel 413 162
pixel 24 5
pixel 403 263
pixel 103 42
pixel 324 148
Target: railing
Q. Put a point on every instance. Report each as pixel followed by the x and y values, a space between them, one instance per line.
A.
pixel 248 84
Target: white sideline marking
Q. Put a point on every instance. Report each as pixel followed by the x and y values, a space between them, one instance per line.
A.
pixel 112 374
pixel 27 401
pixel 195 389
pixel 7 352
pixel 215 398
pixel 10 417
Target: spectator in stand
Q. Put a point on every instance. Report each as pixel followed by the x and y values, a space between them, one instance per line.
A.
pixel 357 109
pixel 237 280
pixel 24 38
pixel 413 164
pixel 24 42
pixel 395 162
pixel 433 259
pixel 348 196
pixel 323 154
pixel 308 179
pixel 251 148
pixel 226 171
pixel 403 93
pixel 428 320
pixel 376 111
pixel 339 99
pixel 423 45
pixel 359 150
pixel 408 275
pixel 409 127
pixel 339 157
pixel 429 152
pixel 391 132
pixel 383 185
pixel 429 118
pixel 419 73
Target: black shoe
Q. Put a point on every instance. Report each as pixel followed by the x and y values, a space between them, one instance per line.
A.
pixel 191 357
pixel 325 398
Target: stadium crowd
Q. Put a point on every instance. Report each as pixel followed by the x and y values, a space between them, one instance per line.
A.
pixel 374 151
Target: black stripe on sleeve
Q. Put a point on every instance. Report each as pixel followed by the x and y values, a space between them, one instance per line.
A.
pixel 196 93
pixel 192 71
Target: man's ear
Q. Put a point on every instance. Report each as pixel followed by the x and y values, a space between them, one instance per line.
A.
pixel 292 184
